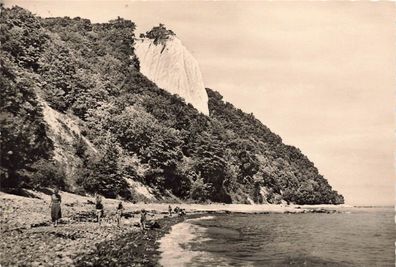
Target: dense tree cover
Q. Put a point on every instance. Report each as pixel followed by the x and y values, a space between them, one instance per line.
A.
pixel 25 147
pixel 139 130
pixel 103 175
pixel 282 168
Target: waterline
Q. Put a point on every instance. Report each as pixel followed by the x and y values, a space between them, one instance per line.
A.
pixel 175 247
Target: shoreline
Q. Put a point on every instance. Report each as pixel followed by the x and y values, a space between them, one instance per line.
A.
pixel 29 239
pixel 131 249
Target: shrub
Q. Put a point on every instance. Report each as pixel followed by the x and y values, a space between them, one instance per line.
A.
pixel 159 34
pixel 47 174
pixel 199 190
pixel 103 175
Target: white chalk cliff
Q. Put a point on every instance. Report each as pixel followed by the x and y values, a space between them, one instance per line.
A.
pixel 172 67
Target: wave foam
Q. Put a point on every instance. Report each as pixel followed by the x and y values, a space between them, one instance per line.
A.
pixel 175 247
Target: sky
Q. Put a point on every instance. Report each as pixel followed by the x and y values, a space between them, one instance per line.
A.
pixel 319 74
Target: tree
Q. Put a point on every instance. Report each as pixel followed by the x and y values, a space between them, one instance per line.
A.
pixel 21 36
pixel 47 174
pixel 159 34
pixel 212 167
pixel 103 175
pixel 200 190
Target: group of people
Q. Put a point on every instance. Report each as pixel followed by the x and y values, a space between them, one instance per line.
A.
pixel 56 212
pixel 177 210
pixel 100 210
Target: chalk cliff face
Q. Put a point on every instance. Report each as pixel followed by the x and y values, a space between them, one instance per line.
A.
pixel 171 66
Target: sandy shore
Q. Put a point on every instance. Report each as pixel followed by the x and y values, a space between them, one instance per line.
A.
pixel 29 239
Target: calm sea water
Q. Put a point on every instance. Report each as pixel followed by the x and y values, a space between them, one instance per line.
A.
pixel 355 237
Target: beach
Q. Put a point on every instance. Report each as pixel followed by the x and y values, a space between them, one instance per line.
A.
pixel 29 238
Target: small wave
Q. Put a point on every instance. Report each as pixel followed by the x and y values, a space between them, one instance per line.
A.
pixel 200 218
pixel 175 247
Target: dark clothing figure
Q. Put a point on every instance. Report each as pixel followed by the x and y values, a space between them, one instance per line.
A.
pixel 99 206
pixel 170 210
pixel 120 209
pixel 143 219
pixel 182 212
pixel 56 212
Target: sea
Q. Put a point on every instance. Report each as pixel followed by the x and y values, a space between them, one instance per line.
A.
pixel 350 237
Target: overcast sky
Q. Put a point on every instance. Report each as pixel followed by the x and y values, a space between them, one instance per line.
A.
pixel 319 74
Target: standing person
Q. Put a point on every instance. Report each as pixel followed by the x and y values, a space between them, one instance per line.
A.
pixel 56 212
pixel 99 209
pixel 120 209
pixel 170 211
pixel 143 218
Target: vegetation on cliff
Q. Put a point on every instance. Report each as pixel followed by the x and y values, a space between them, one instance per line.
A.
pixel 159 34
pixel 140 131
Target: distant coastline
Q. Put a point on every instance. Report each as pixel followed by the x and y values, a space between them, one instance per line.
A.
pixel 373 206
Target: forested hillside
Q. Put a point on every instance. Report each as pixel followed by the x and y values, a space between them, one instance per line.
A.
pixel 128 128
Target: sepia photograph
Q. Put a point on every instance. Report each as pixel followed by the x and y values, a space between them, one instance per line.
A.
pixel 197 133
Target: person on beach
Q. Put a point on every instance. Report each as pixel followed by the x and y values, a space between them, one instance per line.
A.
pixel 56 212
pixel 120 209
pixel 170 211
pixel 143 219
pixel 182 212
pixel 99 209
pixel 177 210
